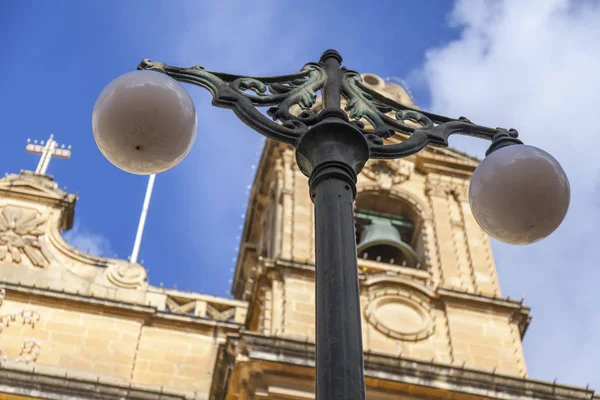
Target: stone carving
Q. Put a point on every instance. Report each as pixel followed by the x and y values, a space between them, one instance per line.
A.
pixel 400 313
pixel 461 192
pixel 388 173
pixel 126 275
pixel 220 315
pixel 30 348
pixel 215 310
pixel 20 230
pixel 435 186
pixel 183 306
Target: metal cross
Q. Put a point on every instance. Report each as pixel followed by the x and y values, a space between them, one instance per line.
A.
pixel 47 150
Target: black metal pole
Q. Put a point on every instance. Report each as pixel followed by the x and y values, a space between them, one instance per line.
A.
pixel 332 153
pixel 338 325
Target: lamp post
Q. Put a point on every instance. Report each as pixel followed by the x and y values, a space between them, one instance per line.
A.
pixel 144 122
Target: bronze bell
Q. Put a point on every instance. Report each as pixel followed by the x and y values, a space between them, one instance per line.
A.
pixel 381 239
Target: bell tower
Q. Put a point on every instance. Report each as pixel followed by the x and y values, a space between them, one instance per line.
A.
pixel 429 289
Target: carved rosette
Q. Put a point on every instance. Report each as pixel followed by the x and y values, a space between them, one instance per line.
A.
pixel 20 231
pixel 400 313
pixel 388 173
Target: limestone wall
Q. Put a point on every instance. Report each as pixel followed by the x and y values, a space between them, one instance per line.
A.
pixel 450 243
pixel 411 316
pixel 111 341
pixel 470 332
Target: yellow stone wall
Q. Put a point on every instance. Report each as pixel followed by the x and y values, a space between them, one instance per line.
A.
pixel 476 336
pixel 486 339
pixel 175 359
pixel 455 255
pixel 113 344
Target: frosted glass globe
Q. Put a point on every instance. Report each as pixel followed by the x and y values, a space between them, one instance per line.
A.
pixel 519 194
pixel 144 122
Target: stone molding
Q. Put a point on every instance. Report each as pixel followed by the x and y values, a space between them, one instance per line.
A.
pixel 281 354
pixel 201 305
pixel 517 311
pixel 50 383
pixel 152 315
pixel 388 173
pixel 442 186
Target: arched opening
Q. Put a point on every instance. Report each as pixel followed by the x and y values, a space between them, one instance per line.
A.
pixel 388 230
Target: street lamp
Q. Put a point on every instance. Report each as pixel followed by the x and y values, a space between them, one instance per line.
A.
pixel 144 122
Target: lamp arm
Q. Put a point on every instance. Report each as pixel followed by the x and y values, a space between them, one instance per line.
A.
pixel 425 129
pixel 385 117
pixel 244 94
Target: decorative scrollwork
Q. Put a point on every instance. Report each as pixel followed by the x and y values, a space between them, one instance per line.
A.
pixel 385 117
pixel 244 94
pixel 20 231
pixel 425 128
pixel 30 348
pixel 126 275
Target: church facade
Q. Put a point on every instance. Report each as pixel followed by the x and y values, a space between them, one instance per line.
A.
pixel 435 323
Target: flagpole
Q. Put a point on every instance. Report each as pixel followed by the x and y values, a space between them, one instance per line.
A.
pixel 140 231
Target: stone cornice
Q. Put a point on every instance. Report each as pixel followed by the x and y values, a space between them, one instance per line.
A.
pixel 429 162
pixel 402 371
pixel 446 161
pixel 150 314
pixel 51 383
pixel 195 295
pixel 515 308
pixel 518 312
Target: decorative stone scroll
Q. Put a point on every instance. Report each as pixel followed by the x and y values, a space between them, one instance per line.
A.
pixel 20 231
pixel 216 310
pixel 126 275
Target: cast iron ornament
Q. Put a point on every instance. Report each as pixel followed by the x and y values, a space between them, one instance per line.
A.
pixel 245 94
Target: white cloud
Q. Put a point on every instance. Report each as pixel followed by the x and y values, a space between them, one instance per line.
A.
pixel 535 66
pixel 86 241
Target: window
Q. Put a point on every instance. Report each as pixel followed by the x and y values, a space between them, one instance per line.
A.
pixel 384 236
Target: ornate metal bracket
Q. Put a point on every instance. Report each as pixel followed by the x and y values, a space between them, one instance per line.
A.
pixel 245 95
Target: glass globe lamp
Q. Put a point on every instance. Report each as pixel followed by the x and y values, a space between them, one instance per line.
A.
pixel 519 194
pixel 144 122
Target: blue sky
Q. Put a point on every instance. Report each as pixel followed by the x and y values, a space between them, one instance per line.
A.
pixel 503 63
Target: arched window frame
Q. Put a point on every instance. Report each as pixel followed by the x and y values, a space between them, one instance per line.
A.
pixel 418 210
